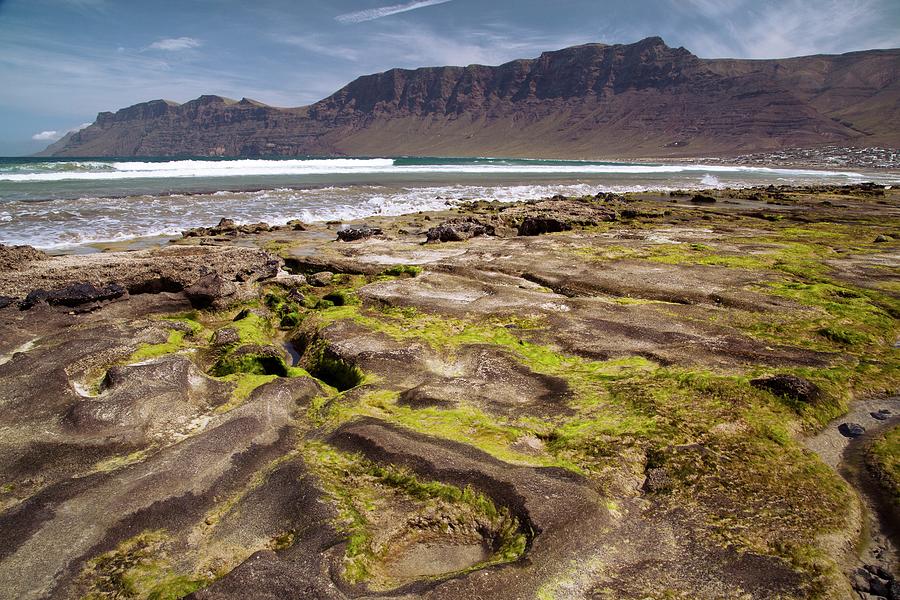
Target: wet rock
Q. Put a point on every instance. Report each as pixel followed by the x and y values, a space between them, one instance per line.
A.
pixel 881 415
pixel 321 279
pixel 209 289
pixel 458 230
pixel 225 337
pixel 703 199
pixel 75 294
pixel 869 581
pixel 226 227
pixel 352 234
pixel 15 257
pixel 296 225
pixel 851 430
pixel 789 386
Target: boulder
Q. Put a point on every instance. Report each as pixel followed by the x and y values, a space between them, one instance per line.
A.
pixel 289 281
pixel 538 225
pixel 881 415
pixel 6 301
pixel 789 386
pixel 703 199
pixel 352 234
pixel 458 229
pixel 75 294
pixel 321 279
pixel 209 289
pixel 296 225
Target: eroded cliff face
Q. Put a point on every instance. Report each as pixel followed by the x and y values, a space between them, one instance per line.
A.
pixel 642 99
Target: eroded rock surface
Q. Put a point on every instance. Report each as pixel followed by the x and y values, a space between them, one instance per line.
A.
pixel 611 411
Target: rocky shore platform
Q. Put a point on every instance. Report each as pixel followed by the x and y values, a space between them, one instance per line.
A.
pixel 606 397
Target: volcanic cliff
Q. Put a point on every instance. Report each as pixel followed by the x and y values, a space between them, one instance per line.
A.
pixel 589 101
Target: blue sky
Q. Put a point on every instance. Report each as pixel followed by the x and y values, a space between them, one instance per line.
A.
pixel 62 61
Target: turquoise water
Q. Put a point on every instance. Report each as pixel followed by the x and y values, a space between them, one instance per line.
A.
pixel 65 203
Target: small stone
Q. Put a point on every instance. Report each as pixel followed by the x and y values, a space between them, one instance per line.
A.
pixel 881 415
pixel 225 337
pixel 321 279
pixel 851 430
pixel 881 239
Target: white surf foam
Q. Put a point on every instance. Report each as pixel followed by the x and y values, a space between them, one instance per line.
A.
pixel 338 166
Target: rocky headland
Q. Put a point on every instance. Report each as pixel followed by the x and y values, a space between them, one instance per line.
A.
pixel 638 396
pixel 644 99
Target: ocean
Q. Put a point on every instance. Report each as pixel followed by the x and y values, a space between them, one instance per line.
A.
pixel 68 205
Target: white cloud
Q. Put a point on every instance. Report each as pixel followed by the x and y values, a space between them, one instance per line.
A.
pixel 175 44
pixel 45 136
pixel 385 11
pixel 52 136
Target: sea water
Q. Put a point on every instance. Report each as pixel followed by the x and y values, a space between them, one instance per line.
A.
pixel 65 204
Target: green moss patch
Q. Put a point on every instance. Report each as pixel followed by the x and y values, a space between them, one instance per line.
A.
pixel 884 461
pixel 363 492
pixel 139 567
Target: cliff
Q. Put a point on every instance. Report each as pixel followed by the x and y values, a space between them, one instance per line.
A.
pixel 590 101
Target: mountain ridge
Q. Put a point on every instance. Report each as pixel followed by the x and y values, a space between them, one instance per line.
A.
pixel 586 101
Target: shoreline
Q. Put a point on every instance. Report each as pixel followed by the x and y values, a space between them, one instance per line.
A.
pixel 158 240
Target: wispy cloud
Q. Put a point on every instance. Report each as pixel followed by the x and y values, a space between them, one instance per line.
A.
pixel 385 11
pixel 52 136
pixel 175 44
pixel 316 44
pixel 754 29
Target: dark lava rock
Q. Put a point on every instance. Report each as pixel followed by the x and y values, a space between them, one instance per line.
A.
pixel 702 199
pixel 14 257
pixel 75 294
pixel 321 279
pixel 537 225
pixel 458 230
pixel 208 289
pixel 351 234
pixel 789 386
pixel 227 336
pixel 851 430
pixel 6 301
pixel 296 225
pixel 226 227
pixel 881 415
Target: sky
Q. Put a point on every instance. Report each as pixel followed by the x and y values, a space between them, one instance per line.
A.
pixel 63 61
